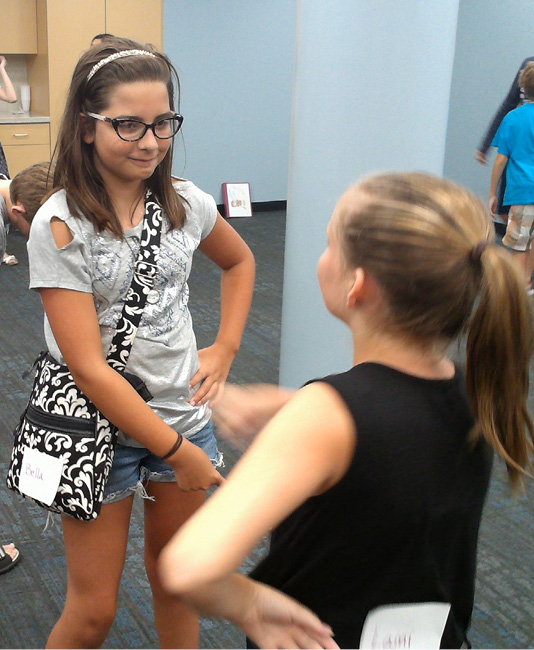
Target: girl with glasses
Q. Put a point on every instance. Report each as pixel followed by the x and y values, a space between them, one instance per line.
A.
pixel 114 146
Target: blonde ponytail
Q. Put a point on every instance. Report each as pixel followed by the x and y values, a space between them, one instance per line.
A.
pixel 430 245
pixel 499 348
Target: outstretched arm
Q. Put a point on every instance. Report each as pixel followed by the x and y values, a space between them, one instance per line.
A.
pixel 304 450
pixel 267 616
pixel 232 255
pixel 243 411
pixel 7 91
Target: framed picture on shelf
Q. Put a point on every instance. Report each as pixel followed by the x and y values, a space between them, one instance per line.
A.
pixel 237 201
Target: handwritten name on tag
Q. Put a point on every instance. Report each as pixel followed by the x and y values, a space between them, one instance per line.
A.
pixel 414 625
pixel 40 475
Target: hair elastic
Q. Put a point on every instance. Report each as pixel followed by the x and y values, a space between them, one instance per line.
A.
pixel 174 448
pixel 476 252
pixel 117 55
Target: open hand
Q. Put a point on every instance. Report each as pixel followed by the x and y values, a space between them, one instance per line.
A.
pixel 274 620
pixel 481 157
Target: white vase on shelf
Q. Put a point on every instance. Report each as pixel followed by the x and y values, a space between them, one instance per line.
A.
pixel 25 98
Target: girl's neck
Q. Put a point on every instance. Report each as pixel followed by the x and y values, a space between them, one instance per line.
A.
pixel 127 200
pixel 400 352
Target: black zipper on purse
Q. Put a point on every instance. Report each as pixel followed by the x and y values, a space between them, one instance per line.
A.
pixel 59 423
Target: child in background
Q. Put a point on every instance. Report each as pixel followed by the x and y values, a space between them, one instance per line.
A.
pixel 515 144
pixel 375 478
pixel 114 151
pixel 102 38
pixel 21 197
pixel 19 201
pixel 7 94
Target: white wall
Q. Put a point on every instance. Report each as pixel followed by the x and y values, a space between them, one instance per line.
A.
pixel 235 62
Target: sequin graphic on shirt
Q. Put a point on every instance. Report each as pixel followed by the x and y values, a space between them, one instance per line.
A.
pixel 166 306
pixel 170 305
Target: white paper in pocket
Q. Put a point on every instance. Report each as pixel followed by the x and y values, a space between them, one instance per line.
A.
pixel 413 625
pixel 40 475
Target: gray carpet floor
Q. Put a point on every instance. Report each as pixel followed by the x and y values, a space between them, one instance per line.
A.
pixel 31 596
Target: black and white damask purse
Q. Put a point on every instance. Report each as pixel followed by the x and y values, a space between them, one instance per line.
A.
pixel 63 446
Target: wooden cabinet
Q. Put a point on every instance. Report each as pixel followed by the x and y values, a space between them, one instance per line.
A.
pixel 24 144
pixel 18 27
pixel 65 29
pixel 141 20
pixel 71 24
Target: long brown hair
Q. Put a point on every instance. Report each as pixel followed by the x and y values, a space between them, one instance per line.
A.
pixel 430 245
pixel 75 170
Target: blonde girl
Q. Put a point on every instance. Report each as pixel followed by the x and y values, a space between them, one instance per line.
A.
pixel 115 143
pixel 375 478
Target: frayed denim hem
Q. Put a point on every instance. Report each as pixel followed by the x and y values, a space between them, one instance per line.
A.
pixel 138 488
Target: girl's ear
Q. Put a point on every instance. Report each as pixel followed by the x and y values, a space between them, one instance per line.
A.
pixel 358 287
pixel 87 128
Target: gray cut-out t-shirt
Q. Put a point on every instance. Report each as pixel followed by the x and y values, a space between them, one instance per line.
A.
pixel 164 352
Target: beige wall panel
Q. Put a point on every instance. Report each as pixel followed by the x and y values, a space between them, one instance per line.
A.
pixel 141 20
pixel 71 26
pixel 18 158
pixel 18 27
pixel 38 66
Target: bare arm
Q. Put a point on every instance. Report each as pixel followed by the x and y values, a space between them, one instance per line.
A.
pixel 74 323
pixel 7 92
pixel 314 430
pixel 267 616
pixel 231 254
pixel 243 411
pixel 496 173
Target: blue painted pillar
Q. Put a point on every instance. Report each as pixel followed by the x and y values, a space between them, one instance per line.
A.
pixel 371 92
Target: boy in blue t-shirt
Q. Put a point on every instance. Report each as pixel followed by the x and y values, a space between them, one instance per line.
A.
pixel 515 143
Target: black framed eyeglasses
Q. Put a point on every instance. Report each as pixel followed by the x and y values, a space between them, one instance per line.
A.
pixel 130 130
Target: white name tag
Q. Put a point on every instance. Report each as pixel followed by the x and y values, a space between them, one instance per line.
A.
pixel 40 475
pixel 414 625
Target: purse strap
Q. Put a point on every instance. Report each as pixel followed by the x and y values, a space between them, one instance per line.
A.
pixel 144 274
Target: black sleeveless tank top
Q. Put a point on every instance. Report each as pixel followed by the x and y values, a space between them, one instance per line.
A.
pixel 402 524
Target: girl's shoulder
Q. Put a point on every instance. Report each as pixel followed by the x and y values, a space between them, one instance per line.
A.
pixel 57 200
pixel 197 203
pixel 188 190
pixel 56 206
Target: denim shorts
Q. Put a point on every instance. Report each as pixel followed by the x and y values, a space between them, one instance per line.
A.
pixel 133 467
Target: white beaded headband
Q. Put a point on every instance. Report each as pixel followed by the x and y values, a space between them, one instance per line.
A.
pixel 117 55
